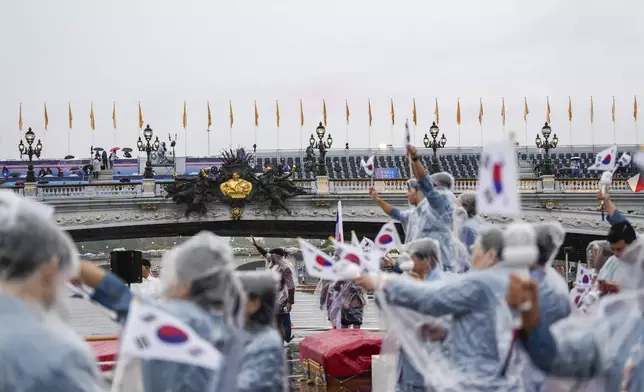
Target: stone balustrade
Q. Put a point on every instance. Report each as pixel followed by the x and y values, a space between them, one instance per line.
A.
pixel 47 192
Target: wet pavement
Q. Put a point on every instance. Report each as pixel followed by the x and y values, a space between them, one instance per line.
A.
pixel 89 319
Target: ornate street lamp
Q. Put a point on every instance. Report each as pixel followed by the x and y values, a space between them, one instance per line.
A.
pixel 147 148
pixel 547 145
pixel 322 145
pixel 435 145
pixel 30 151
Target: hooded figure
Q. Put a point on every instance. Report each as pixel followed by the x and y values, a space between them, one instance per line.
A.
pixel 200 288
pixel 478 346
pixel 39 352
pixel 607 345
pixel 469 229
pixel 553 293
pixel 597 253
pixel 263 365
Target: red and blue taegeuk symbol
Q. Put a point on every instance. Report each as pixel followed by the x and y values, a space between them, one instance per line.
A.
pixel 385 239
pixel 607 159
pixel 497 177
pixel 352 257
pixel 171 335
pixel 585 279
pixel 323 261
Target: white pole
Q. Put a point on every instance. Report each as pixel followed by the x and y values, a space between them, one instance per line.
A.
pixel 255 135
pixel 278 143
pixel 369 138
pixel 208 131
pixel 185 140
pixel 637 135
pixel 392 135
pixel 526 135
pixel 114 137
pixel 69 141
pixel 346 133
pixel 301 147
pixel 481 135
pixel 614 133
pixel 592 135
pixel 230 137
pixel 570 132
pixel 414 135
pixel 459 137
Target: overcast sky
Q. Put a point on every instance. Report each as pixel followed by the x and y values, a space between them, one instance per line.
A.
pixel 163 52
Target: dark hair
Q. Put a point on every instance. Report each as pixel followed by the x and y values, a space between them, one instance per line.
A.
pixel 621 231
pixel 262 286
pixel 146 263
pixel 545 244
pixel 279 252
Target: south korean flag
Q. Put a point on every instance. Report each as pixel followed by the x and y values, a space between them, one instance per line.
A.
pixel 151 333
pixel 498 192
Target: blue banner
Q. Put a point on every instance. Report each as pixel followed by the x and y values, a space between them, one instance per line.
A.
pixel 387 172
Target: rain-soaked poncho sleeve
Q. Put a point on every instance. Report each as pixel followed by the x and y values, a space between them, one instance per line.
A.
pixel 573 354
pixel 437 200
pixel 113 294
pixel 263 366
pixel 401 216
pixel 436 298
pixel 616 217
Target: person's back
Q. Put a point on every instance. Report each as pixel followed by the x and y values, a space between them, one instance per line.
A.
pixel 34 358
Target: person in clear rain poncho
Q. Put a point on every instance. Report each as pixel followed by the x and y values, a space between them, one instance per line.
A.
pixel 607 345
pixel 200 288
pixel 39 352
pixel 263 365
pixel 553 293
pixel 470 227
pixel 431 215
pixel 477 351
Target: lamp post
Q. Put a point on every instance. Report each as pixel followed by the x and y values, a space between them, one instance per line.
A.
pixel 322 145
pixel 147 148
pixel 435 145
pixel 30 151
pixel 547 145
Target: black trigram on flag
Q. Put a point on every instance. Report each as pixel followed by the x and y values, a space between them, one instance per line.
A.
pixel 142 342
pixel 196 351
pixel 149 318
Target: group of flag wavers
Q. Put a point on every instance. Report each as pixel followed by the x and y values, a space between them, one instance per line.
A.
pixel 496 317
pixel 473 307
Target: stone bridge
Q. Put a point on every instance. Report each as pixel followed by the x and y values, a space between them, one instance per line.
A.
pixel 138 210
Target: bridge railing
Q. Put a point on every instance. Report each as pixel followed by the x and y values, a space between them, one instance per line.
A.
pixel 47 192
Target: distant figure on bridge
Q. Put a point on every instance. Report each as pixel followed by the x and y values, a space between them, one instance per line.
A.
pixel 263 365
pixel 5 172
pixel 277 262
pixel 96 167
pixel 39 351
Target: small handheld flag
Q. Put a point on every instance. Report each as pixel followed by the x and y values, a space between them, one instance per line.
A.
pixel 388 238
pixel 354 239
pixel 605 160
pixel 368 165
pixel 498 192
pixel 318 264
pixel 636 183
pixel 150 333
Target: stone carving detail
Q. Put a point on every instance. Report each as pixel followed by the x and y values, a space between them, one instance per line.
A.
pixel 234 184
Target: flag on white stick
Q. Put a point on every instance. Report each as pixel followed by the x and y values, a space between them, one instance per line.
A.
pixel 636 183
pixel 151 333
pixel 339 229
pixel 354 240
pixel 387 239
pixel 498 192
pixel 348 255
pixel 605 160
pixel 624 160
pixel 367 165
pixel 318 264
pixel 407 134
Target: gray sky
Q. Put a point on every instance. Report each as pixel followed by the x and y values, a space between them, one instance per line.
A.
pixel 163 52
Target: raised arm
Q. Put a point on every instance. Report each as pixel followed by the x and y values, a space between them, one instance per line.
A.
pixel 418 170
pixel 395 213
pixel 109 290
pixel 613 214
pixel 436 298
pixel 261 250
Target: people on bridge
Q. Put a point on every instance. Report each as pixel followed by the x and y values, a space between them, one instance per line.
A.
pixel 201 289
pixel 263 366
pixel 276 260
pixel 39 352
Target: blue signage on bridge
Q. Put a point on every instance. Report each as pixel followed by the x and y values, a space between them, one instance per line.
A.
pixel 387 172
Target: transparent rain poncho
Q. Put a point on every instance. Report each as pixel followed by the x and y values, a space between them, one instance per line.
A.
pixel 39 351
pixel 605 345
pixel 264 364
pixel 214 309
pixel 441 220
pixel 586 300
pixel 283 267
pixel 476 350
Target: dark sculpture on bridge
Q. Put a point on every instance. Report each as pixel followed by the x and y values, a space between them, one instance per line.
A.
pixel 235 183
